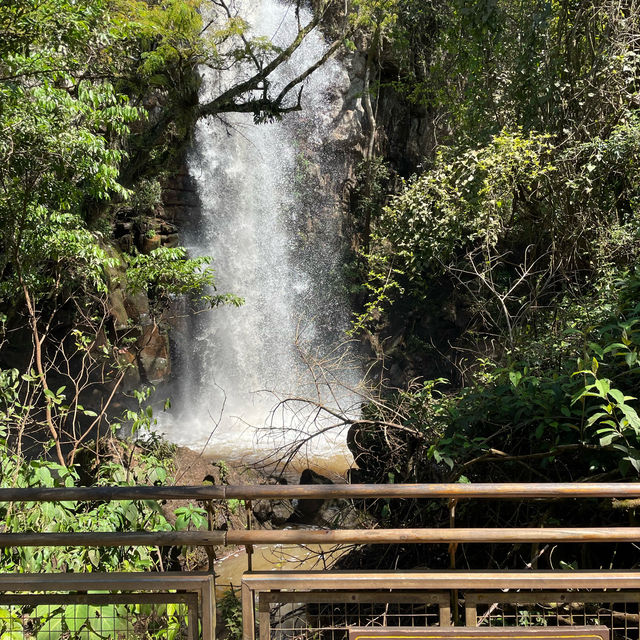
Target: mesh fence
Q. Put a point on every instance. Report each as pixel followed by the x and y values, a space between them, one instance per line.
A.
pixel 619 611
pixel 328 616
pixel 140 616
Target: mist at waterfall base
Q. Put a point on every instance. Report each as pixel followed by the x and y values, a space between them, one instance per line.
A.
pixel 279 249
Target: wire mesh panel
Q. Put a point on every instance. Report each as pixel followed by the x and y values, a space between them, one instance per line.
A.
pixel 617 610
pixel 113 616
pixel 329 615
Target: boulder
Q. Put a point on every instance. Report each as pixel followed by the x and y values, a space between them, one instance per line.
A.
pixel 118 309
pixel 154 354
pixel 126 243
pixel 281 512
pixel 275 512
pixel 172 240
pixel 151 242
pixel 137 305
pixel 310 511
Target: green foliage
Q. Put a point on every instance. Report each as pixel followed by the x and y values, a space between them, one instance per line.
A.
pixel 11 627
pixel 539 99
pixel 374 14
pixel 523 226
pixel 63 134
pixel 146 196
pixel 225 472
pixel 168 272
pixel 77 517
pixel 190 517
pixel 231 611
pixel 89 622
pixel 576 405
pixel 381 285
pixel 81 621
pixel 148 461
pixel 464 201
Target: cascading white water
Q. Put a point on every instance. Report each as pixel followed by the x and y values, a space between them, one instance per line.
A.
pixel 255 223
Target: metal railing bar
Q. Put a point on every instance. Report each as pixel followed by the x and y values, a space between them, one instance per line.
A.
pixel 125 581
pixel 114 539
pixel 320 536
pixel 103 494
pixel 436 579
pixel 559 597
pixel 327 491
pixel 99 598
pixel 450 490
pixel 419 536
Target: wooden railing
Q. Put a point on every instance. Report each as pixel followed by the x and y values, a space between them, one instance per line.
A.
pixel 325 536
pixel 256 586
pixel 506 490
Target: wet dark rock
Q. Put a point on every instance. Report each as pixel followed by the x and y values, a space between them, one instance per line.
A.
pixel 171 241
pixel 281 512
pixel 274 512
pixel 311 511
pixel 126 243
pixel 154 354
pixel 151 243
pixel 137 306
pixel 262 511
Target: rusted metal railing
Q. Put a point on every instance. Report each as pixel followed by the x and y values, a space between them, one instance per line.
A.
pixel 325 536
pixel 444 586
pixel 508 490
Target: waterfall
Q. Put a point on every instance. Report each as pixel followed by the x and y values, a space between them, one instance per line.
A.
pixel 273 243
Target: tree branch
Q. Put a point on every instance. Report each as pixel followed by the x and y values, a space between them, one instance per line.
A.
pixel 230 100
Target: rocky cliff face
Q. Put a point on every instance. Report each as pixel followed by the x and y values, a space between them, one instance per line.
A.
pixel 152 225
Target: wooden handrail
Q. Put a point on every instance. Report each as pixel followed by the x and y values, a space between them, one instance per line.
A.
pixel 327 491
pixel 435 536
pixel 439 579
pixel 105 494
pixel 435 490
pixel 323 536
pixel 114 539
pixel 319 536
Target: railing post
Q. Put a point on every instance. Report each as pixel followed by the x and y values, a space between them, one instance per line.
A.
pixel 248 613
pixel 209 610
pixel 453 547
pixel 249 547
pixel 210 603
pixel 249 551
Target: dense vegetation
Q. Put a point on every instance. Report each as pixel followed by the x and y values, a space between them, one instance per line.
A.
pixel 74 81
pixel 505 266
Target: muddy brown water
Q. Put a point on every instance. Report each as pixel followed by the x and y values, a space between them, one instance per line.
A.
pixel 334 467
pixel 229 568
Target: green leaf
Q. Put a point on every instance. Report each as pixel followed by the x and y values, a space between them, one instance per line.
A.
pixel 617 395
pixel 596 416
pixel 515 377
pixel 631 415
pixel 52 628
pixel 603 385
pixel 75 616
